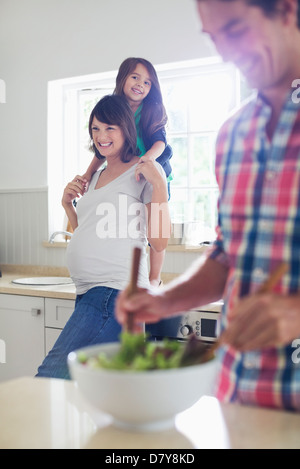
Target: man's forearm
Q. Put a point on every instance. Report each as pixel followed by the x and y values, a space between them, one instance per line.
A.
pixel 203 283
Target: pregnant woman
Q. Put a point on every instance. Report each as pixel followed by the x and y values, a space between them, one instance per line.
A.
pixel 126 205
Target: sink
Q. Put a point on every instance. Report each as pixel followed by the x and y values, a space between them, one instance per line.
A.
pixel 43 281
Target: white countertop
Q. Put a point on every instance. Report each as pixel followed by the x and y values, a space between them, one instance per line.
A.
pixel 47 291
pixel 11 272
pixel 50 413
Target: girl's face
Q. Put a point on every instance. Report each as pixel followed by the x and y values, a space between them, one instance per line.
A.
pixel 108 139
pixel 137 86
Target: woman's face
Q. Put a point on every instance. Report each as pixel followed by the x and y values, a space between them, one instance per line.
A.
pixel 108 139
pixel 137 86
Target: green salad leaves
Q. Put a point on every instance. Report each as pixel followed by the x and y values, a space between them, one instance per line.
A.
pixel 138 354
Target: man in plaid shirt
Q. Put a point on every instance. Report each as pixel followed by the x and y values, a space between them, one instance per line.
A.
pixel 258 173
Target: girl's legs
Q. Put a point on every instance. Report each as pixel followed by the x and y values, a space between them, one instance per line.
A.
pixel 156 263
pixel 92 322
pixel 157 260
pixel 165 327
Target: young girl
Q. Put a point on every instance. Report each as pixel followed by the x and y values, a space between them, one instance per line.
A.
pixel 112 216
pixel 138 82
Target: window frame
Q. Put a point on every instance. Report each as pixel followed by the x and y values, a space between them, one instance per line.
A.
pixel 63 116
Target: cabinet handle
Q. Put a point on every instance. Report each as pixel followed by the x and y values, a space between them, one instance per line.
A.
pixel 35 311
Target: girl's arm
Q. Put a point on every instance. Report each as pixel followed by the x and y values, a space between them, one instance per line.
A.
pixel 159 222
pixel 155 151
pixel 72 190
pixel 93 167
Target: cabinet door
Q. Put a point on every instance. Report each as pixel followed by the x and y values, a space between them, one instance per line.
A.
pixel 57 312
pixel 51 336
pixel 21 335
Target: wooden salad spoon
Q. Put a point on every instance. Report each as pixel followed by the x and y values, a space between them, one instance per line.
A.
pixel 197 351
pixel 132 287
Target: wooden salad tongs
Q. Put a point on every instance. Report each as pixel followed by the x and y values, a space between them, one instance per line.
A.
pixel 197 351
pixel 132 287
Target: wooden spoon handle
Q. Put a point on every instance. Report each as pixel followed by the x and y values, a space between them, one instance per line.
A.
pixel 275 276
pixel 266 286
pixel 132 287
pixel 135 266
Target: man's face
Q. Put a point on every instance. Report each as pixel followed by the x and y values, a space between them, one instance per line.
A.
pixel 244 35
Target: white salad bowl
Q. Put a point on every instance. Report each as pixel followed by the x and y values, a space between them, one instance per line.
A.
pixel 141 400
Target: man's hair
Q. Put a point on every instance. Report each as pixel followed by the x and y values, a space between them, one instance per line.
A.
pixel 270 7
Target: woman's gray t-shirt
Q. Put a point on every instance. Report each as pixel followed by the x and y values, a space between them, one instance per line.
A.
pixel 112 220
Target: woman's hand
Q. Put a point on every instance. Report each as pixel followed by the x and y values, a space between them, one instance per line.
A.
pixel 263 320
pixel 86 177
pixel 74 189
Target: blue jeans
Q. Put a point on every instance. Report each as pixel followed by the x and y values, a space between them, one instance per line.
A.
pixel 92 322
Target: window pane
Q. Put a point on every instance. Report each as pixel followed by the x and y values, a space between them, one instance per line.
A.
pixel 202 158
pixel 211 97
pixel 178 204
pixel 179 161
pixel 205 211
pixel 174 97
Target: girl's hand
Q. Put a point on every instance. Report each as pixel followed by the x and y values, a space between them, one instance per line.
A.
pixel 147 169
pixel 263 320
pixel 74 189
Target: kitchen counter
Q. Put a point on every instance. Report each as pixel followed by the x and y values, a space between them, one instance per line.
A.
pixel 11 272
pixel 50 413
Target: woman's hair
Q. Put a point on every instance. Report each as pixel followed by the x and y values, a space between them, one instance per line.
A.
pixel 153 115
pixel 115 110
pixel 269 7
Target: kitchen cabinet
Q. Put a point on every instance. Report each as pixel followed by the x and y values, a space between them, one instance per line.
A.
pixel 29 327
pixel 57 313
pixel 21 335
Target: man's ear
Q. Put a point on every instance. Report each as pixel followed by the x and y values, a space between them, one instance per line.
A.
pixel 289 9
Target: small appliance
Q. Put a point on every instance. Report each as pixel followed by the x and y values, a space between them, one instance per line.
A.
pixel 204 322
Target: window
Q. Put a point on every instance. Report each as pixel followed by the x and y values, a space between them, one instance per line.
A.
pixel 198 96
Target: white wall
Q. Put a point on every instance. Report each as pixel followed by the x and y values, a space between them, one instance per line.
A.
pixel 45 40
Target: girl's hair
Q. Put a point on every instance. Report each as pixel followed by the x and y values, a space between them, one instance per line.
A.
pixel 269 7
pixel 115 110
pixel 153 115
